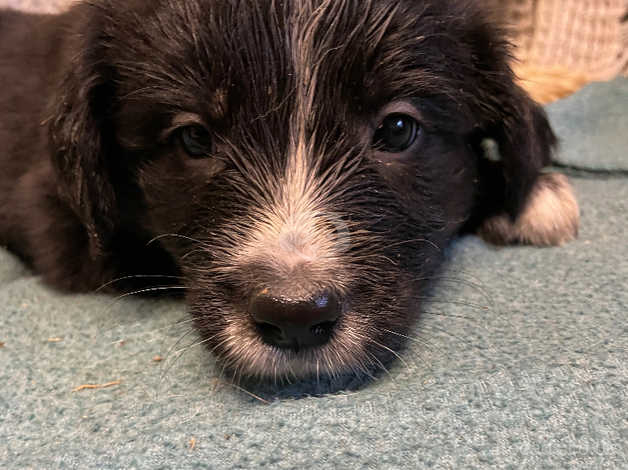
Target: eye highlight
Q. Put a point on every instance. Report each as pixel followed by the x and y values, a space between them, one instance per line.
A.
pixel 396 133
pixel 195 141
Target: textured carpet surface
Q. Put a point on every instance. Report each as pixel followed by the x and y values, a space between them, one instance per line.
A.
pixel 519 362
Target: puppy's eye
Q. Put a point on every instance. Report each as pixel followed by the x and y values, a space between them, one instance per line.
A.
pixel 196 141
pixel 396 133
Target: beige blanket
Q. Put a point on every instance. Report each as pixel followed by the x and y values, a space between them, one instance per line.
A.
pixel 587 37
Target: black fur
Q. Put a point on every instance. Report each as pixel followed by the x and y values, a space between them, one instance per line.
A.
pixel 92 169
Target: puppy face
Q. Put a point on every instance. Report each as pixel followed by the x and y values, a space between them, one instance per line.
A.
pixel 303 163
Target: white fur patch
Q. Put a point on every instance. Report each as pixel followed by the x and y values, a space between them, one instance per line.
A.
pixel 550 217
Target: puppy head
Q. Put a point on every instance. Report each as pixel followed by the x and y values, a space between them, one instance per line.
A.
pixel 306 162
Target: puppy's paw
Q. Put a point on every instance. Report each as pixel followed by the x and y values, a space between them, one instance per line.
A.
pixel 550 217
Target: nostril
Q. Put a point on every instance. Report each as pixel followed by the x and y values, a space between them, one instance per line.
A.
pixel 268 331
pixel 323 329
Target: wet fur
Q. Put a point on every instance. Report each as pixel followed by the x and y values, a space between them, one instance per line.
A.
pixel 95 187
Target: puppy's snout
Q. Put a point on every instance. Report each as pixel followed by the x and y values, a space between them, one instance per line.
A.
pixel 295 323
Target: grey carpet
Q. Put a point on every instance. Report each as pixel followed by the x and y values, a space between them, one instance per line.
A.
pixel 519 362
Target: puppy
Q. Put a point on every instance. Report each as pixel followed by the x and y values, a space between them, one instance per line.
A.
pixel 298 165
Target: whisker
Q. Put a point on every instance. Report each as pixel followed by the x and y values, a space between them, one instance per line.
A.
pixel 121 297
pixel 416 240
pixel 318 371
pixel 181 338
pixel 472 321
pixel 455 302
pixel 174 235
pixel 459 338
pixel 168 363
pixel 137 276
pixel 422 341
pixel 181 352
pixel 235 376
pixel 386 348
pixel 380 364
pixel 476 286
pixel 190 253
pixel 145 291
pixel 190 346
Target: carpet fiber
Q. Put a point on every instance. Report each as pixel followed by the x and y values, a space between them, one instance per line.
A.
pixel 520 360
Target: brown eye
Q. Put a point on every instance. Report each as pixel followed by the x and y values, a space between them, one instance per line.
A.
pixel 196 141
pixel 396 133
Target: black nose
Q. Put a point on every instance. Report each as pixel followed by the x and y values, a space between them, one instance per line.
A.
pixel 295 323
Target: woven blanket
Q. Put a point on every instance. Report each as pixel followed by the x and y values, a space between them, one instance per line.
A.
pixel 585 37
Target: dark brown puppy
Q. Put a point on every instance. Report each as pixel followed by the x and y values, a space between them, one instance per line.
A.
pixel 300 164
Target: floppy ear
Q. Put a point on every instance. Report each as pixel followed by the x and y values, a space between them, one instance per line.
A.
pixel 80 132
pixel 519 203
